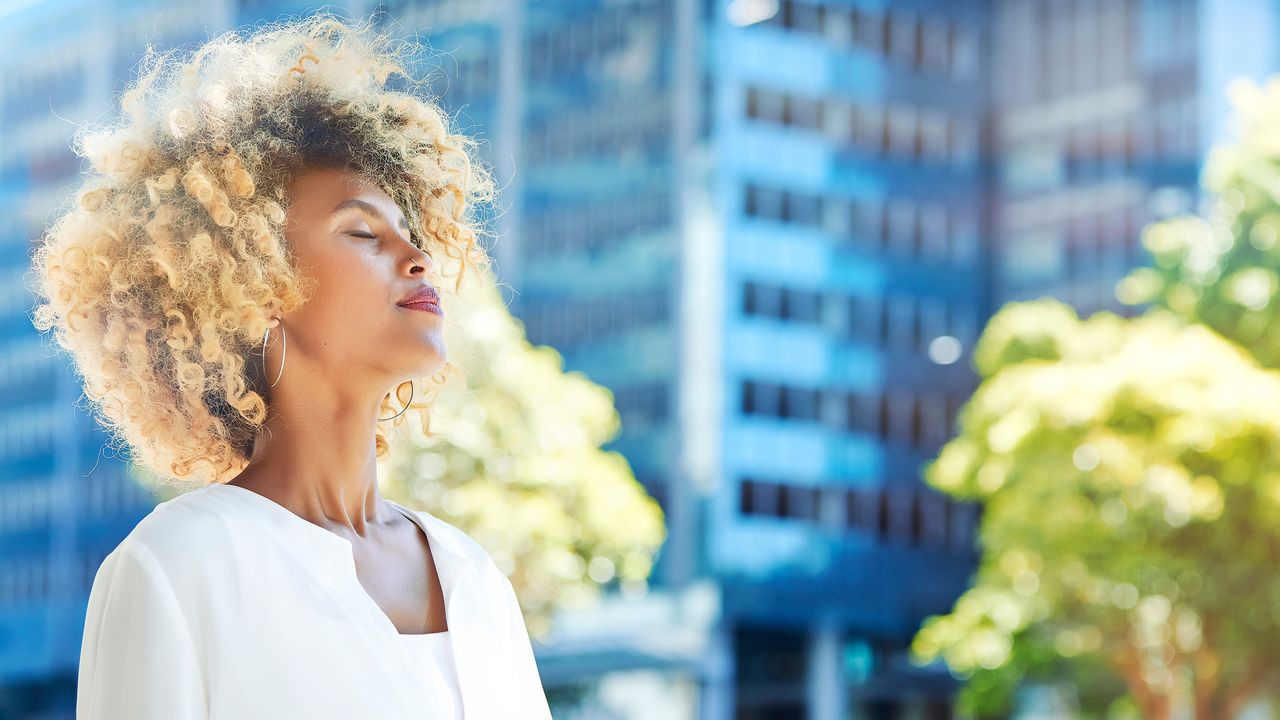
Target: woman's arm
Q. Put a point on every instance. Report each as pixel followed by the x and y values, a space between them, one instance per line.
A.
pixel 137 658
pixel 527 683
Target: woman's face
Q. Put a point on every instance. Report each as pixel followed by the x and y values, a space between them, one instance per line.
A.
pixel 351 239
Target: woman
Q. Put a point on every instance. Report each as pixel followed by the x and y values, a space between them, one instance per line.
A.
pixel 247 271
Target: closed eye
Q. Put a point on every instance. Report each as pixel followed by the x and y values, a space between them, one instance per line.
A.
pixel 412 238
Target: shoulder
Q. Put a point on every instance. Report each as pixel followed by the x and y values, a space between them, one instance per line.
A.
pixel 184 530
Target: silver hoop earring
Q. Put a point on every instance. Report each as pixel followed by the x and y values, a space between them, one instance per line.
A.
pixel 284 349
pixel 406 406
pixel 284 336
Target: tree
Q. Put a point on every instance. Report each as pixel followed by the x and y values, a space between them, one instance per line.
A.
pixel 1127 468
pixel 515 460
pixel 1223 269
pixel 1130 476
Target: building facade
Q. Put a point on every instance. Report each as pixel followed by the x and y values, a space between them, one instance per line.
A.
pixel 774 229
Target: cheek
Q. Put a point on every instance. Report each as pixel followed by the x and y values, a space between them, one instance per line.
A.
pixel 352 282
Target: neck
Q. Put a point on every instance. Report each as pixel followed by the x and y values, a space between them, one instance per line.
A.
pixel 316 456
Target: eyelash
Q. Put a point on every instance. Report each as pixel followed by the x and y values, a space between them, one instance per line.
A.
pixel 369 236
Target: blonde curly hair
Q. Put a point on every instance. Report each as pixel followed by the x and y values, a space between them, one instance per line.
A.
pixel 162 278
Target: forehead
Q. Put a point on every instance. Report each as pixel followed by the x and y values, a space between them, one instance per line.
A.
pixel 319 192
pixel 333 184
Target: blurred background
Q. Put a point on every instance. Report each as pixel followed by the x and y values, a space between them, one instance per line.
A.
pixel 775 231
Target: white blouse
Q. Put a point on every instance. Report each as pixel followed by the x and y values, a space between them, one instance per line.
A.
pixel 222 603
pixel 432 653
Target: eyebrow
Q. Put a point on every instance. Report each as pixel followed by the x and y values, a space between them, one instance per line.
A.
pixel 359 204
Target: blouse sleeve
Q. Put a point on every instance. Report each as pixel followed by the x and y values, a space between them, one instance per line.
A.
pixel 137 658
pixel 528 683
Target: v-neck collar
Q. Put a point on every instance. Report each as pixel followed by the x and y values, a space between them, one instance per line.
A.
pixel 450 560
pixel 477 631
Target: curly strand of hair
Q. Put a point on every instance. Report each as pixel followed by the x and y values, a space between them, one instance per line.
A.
pixel 199 185
pixel 310 54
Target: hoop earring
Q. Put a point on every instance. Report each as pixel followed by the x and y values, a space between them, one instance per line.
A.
pixel 284 336
pixel 406 406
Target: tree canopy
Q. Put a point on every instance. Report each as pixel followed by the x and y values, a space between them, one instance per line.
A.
pixel 1130 477
pixel 1129 472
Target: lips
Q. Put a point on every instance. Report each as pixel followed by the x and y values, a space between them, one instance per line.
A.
pixel 423 295
pixel 425 298
pixel 429 307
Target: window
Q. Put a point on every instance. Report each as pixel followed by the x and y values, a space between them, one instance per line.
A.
pixel 902 41
pixel 835 21
pixel 933 136
pixel 766 105
pixel 802 208
pixel 901 309
pixel 964 51
pixel 801 306
pixel 916 524
pixel 868 30
pixel 911 515
pixel 868 128
pixel 902 130
pixel 866 319
pixel 798 502
pixel 805 17
pixel 933 320
pixel 863 412
pixel 805 113
pixel 759 398
pixel 781 401
pixel 964 237
pixel 933 228
pixel 783 205
pixel 781 303
pixel 800 404
pixel 836 218
pixel 784 109
pixel 1076 247
pixel 883 513
pixel 763 202
pixel 933 45
pixel 780 500
pixel 763 300
pixel 963 325
pixel 758 498
pixel 753 103
pixel 869 223
pixel 962 520
pixel 936 428
pixel 871 511
pixel 641 406
pixel 952 405
pixel 964 143
pixel 902 227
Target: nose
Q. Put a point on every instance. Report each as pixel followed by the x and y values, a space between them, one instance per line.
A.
pixel 416 257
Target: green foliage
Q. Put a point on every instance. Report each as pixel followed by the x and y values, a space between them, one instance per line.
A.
pixel 1223 270
pixel 515 461
pixel 1130 478
pixel 1128 471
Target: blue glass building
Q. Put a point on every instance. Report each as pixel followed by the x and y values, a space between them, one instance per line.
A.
pixel 761 227
pixel 773 228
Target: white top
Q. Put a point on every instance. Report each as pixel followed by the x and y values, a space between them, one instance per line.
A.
pixel 432 653
pixel 222 603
